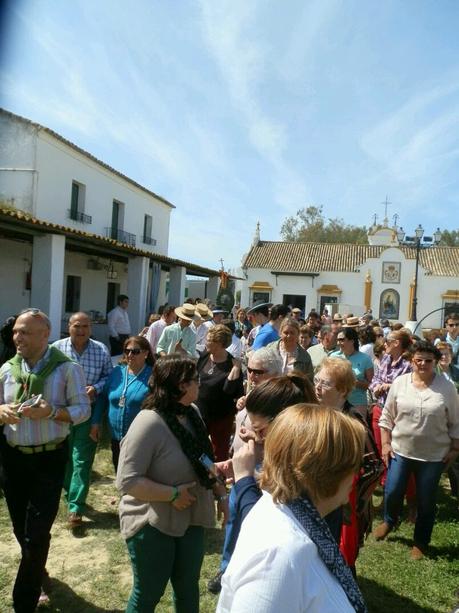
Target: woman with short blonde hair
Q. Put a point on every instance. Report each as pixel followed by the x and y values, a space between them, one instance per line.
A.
pixel 341 374
pixel 286 558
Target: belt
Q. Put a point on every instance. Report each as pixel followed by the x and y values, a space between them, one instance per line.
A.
pixel 31 449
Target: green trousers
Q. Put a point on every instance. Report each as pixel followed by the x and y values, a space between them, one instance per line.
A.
pixel 156 558
pixel 82 450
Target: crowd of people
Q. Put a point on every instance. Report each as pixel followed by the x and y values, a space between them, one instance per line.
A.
pixel 279 423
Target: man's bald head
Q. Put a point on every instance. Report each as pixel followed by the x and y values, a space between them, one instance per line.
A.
pixel 31 334
pixel 80 329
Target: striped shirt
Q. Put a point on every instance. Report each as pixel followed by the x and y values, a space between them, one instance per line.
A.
pixel 95 361
pixel 64 388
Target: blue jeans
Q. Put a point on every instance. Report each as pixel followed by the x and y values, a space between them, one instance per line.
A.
pixel 427 476
pixel 231 532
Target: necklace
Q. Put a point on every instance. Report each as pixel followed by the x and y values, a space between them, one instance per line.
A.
pixel 122 400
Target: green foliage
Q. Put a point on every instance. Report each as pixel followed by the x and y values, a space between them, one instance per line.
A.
pixel 450 238
pixel 310 225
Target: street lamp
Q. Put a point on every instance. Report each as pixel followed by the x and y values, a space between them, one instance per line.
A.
pixel 416 241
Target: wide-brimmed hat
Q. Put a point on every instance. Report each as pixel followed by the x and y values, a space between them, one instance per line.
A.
pixel 218 310
pixel 202 311
pixel 186 311
pixel 337 317
pixel 352 322
pixel 260 306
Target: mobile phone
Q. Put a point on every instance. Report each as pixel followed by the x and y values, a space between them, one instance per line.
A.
pixel 210 467
pixel 31 402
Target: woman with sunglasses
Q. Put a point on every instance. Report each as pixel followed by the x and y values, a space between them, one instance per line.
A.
pixel 420 436
pixel 348 343
pixel 395 362
pixel 124 392
pixel 167 493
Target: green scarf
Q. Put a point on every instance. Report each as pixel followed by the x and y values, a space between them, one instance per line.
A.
pixel 30 384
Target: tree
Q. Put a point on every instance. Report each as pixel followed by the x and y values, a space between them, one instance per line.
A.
pixel 450 238
pixel 310 225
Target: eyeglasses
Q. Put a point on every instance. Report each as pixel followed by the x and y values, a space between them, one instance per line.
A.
pixel 423 360
pixel 255 371
pixel 325 385
pixel 453 325
pixel 380 336
pixel 341 339
pixel 134 351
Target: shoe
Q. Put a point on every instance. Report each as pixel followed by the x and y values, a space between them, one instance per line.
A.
pixel 417 552
pixel 43 600
pixel 382 531
pixel 215 584
pixel 75 519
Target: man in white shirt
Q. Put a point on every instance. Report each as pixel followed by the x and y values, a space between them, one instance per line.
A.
pixel 327 344
pixel 119 327
pixel 201 325
pixel 156 329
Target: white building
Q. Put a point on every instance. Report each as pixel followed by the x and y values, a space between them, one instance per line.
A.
pixel 378 276
pixel 75 233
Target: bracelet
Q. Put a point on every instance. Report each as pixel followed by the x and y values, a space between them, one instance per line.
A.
pixel 175 493
pixel 53 413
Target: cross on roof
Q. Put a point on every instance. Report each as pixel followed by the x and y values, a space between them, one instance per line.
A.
pixel 386 204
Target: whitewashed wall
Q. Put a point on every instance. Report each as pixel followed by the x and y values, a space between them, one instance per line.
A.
pixel 430 288
pixel 38 171
pixel 17 161
pixel 16 258
pixel 59 164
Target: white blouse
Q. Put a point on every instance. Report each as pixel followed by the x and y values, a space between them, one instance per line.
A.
pixel 276 567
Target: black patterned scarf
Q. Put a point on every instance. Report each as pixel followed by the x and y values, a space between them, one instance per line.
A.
pixel 192 446
pixel 318 531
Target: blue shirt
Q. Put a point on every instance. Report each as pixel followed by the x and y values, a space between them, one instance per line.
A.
pixel 266 335
pixel 121 417
pixel 360 362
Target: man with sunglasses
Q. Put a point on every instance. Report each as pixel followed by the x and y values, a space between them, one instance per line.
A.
pixel 42 392
pixel 452 334
pixel 94 358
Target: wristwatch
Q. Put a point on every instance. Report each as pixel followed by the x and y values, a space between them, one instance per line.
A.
pixel 221 498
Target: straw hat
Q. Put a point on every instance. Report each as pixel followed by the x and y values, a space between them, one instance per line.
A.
pixel 352 322
pixel 202 311
pixel 186 311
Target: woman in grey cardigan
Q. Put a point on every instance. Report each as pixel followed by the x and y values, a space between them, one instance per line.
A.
pixel 289 351
pixel 167 494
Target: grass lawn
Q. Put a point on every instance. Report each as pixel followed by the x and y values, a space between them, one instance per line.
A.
pixel 91 571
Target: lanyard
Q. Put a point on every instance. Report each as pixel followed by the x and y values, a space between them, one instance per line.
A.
pixel 122 400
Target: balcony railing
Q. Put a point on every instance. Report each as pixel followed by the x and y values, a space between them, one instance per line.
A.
pixel 78 216
pixel 148 240
pixel 121 236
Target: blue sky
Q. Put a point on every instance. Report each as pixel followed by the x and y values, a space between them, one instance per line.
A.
pixel 238 111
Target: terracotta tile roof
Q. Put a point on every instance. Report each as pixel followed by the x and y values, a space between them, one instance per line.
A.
pixel 87 154
pixel 331 257
pixel 24 220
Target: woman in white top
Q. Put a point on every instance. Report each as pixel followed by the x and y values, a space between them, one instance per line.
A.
pixel 286 558
pixel 420 435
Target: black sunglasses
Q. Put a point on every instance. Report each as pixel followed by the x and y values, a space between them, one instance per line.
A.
pixel 255 371
pixel 135 351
